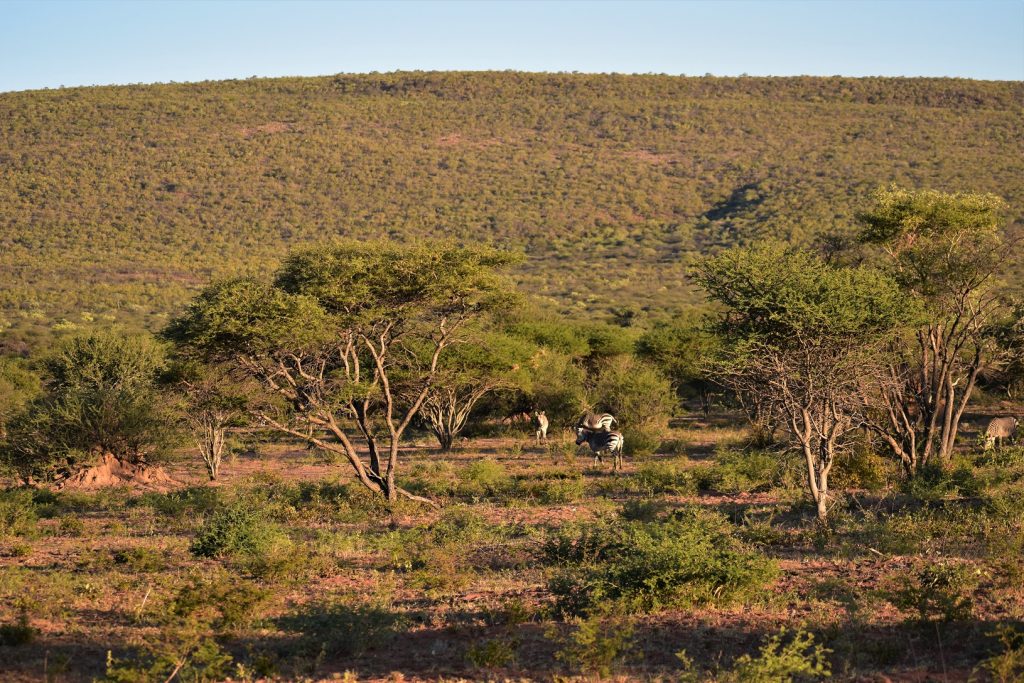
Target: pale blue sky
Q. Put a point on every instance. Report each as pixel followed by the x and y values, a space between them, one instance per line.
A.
pixel 52 43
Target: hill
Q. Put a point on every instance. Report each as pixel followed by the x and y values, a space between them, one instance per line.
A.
pixel 117 202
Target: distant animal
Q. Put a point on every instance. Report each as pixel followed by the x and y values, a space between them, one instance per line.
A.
pixel 516 418
pixel 597 421
pixel 541 420
pixel 600 442
pixel 1000 428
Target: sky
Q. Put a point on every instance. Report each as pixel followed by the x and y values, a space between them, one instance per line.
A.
pixel 53 43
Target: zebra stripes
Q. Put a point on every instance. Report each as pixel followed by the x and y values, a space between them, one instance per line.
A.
pixel 601 442
pixel 998 429
pixel 597 422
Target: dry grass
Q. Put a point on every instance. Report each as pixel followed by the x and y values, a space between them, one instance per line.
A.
pixel 337 583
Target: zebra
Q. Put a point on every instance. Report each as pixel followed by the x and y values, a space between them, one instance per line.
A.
pixel 602 422
pixel 541 420
pixel 600 442
pixel 1000 428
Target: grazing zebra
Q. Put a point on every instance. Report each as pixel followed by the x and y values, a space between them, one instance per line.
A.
pixel 602 442
pixel 1000 428
pixel 541 420
pixel 597 422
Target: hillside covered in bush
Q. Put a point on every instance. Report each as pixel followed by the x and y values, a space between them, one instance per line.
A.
pixel 118 203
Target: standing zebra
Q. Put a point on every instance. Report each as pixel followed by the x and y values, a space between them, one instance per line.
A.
pixel 602 442
pixel 541 420
pixel 598 422
pixel 998 429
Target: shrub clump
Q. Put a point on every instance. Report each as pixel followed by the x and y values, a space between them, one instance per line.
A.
pixel 935 483
pixel 484 478
pixel 235 530
pixel 737 471
pixel 17 513
pixel 939 592
pixel 670 476
pixel 343 627
pixel 783 659
pixel 692 558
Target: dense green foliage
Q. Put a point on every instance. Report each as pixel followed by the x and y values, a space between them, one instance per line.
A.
pixel 119 202
pixel 100 396
pixel 348 339
pixel 692 558
pixel 640 398
pixel 803 337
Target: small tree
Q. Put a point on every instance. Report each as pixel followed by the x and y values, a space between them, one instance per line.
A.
pixel 212 401
pixel 100 397
pixel 802 335
pixel 349 339
pixel 485 363
pixel 945 251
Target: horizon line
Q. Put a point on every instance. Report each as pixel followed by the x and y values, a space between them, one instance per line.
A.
pixel 503 71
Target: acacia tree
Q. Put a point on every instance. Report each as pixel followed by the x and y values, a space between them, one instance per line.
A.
pixel 349 339
pixel 1009 338
pixel 946 252
pixel 486 362
pixel 801 335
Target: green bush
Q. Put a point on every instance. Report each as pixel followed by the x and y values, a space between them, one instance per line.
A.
pixel 641 399
pixel 342 627
pixel 862 468
pixel 667 476
pixel 70 525
pixel 782 660
pixel 187 657
pixel 596 644
pixel 458 525
pixel 642 439
pixel 936 483
pixel 236 529
pixel 485 478
pixel 101 397
pixel 694 557
pixel 230 603
pixel 140 559
pixel 738 471
pixel 940 592
pixel 21 632
pixel 643 510
pixel 553 491
pixel 195 501
pixel 1007 665
pixel 492 653
pixel 183 644
pixel 17 513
